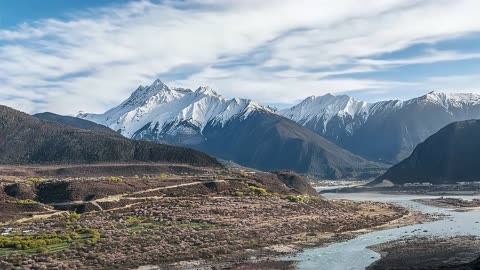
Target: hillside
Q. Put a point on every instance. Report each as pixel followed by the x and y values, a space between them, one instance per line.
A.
pixel 449 156
pixel 75 122
pixel 25 139
pixel 270 142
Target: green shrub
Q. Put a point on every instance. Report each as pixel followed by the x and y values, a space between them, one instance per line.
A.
pixel 114 179
pixel 41 242
pixel 34 179
pixel 258 191
pixel 26 201
pixel 94 235
pixel 238 193
pixel 131 219
pixel 296 198
pixel 74 215
pixel 42 250
pixel 74 235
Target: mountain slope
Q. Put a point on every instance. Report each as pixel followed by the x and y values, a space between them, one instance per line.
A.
pixel 239 130
pixel 386 130
pixel 26 139
pixel 75 122
pixel 449 156
pixel 270 142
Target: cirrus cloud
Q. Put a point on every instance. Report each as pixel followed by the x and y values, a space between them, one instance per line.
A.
pixel 274 51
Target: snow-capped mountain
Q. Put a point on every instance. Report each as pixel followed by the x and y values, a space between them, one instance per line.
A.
pixel 234 129
pixel 329 114
pixel 326 108
pixel 385 130
pixel 162 113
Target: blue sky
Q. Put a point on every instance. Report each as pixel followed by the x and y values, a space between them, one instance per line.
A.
pixel 66 56
pixel 14 12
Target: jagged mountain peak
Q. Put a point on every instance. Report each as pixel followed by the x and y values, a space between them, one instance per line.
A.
pixel 447 100
pixel 449 95
pixel 385 130
pixel 330 101
pixel 206 90
pixel 163 109
pixel 325 107
pixel 234 129
pixel 328 106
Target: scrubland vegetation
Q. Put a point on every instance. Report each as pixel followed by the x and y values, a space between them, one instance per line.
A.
pixel 121 222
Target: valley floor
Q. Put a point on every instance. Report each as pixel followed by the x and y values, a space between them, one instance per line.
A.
pixel 209 217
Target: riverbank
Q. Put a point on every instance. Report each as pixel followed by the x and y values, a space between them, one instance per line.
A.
pixel 459 252
pixel 456 203
pixel 268 257
pixel 363 217
pixel 355 254
pixel 471 189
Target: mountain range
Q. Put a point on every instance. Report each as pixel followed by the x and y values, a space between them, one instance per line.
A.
pixel 236 129
pixel 25 139
pixel 327 136
pixel 449 156
pixel 386 131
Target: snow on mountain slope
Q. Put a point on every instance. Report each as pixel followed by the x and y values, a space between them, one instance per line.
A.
pixel 448 100
pixel 385 130
pixel 325 108
pixel 233 129
pixel 158 110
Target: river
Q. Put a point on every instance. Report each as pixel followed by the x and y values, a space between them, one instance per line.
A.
pixel 354 254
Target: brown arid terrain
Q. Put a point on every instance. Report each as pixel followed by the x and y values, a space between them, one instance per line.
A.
pixel 456 253
pixel 174 216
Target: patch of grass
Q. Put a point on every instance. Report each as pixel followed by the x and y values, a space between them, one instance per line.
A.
pixel 114 179
pixel 35 179
pixel 238 193
pixel 137 228
pixel 296 198
pixel 143 225
pixel 258 191
pixel 26 201
pixel 54 248
pixel 133 220
pixel 74 215
pixel 45 242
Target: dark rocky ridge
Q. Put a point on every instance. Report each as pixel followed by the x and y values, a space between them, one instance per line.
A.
pixel 449 156
pixel 296 182
pixel 271 142
pixel 75 122
pixel 25 139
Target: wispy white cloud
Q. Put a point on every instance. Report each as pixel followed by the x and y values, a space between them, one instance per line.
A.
pixel 432 56
pixel 272 51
